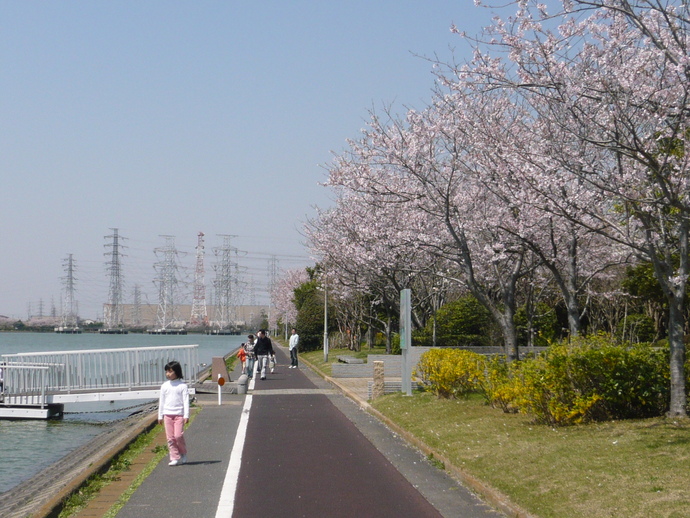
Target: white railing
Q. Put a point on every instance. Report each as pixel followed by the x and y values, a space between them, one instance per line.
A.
pixel 96 369
pixel 32 379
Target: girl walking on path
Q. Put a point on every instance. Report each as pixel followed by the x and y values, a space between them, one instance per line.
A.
pixel 173 412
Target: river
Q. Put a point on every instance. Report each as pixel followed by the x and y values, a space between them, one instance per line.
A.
pixel 28 446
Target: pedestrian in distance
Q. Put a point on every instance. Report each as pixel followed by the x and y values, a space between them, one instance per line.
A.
pixel 248 347
pixel 263 350
pixel 293 346
pixel 173 412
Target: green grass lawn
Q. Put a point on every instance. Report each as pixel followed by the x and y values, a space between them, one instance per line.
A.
pixel 630 469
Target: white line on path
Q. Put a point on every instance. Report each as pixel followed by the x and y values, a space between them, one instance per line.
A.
pixel 226 503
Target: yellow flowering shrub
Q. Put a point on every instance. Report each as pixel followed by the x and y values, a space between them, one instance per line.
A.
pixel 499 385
pixel 589 379
pixel 450 372
pixel 593 379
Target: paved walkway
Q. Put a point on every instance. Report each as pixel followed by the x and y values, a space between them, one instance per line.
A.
pixel 308 451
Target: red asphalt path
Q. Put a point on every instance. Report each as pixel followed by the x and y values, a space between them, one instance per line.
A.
pixel 303 457
pixel 307 452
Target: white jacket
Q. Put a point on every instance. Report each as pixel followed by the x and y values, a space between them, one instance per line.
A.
pixel 174 399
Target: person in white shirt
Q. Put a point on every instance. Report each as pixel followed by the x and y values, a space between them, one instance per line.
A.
pixel 173 412
pixel 294 341
pixel 251 357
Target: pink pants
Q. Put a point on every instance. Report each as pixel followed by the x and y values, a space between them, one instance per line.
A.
pixel 174 432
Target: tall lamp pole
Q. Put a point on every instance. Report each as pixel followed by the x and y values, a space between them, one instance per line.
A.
pixel 325 323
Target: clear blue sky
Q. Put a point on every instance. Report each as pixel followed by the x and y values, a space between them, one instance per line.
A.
pixel 171 117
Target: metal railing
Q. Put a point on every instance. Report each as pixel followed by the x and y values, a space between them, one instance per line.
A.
pixel 32 379
pixel 93 370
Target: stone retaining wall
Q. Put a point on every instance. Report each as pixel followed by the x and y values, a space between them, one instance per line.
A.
pixel 392 365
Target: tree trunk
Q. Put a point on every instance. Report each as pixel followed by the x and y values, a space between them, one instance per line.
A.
pixel 676 328
pixel 389 345
pixel 574 322
pixel 570 294
pixel 509 330
pixel 677 358
pixel 673 283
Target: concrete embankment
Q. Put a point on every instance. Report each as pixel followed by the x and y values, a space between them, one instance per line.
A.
pixel 43 493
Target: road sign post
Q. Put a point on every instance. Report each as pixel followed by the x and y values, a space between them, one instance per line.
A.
pixel 221 382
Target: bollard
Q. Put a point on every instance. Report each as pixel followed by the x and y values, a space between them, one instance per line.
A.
pixel 379 380
pixel 221 382
pixel 242 384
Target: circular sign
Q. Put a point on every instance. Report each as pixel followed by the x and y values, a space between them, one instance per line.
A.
pixel 221 381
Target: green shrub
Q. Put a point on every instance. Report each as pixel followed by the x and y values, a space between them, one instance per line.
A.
pixel 310 324
pixel 544 323
pixel 594 379
pixel 589 379
pixel 636 328
pixel 463 322
pixel 395 344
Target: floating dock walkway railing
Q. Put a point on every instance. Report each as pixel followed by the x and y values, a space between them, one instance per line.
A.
pixel 37 385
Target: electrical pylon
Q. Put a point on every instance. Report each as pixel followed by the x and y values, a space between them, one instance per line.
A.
pixel 199 315
pixel 167 282
pixel 113 311
pixel 69 313
pixel 272 274
pixel 223 284
pixel 272 280
pixel 136 306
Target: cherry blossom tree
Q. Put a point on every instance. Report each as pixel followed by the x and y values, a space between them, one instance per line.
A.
pixel 365 249
pixel 424 164
pixel 511 162
pixel 611 85
pixel 283 295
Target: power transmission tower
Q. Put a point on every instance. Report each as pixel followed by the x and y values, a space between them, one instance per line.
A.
pixel 240 285
pixel 272 274
pixel 167 283
pixel 272 280
pixel 199 315
pixel 136 306
pixel 69 313
pixel 113 312
pixel 223 285
pixel 252 292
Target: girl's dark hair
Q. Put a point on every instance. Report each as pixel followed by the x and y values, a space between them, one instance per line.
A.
pixel 175 367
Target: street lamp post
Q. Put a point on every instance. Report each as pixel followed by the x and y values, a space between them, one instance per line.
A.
pixel 325 323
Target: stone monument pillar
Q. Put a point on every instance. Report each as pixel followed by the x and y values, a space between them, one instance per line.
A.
pixel 378 388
